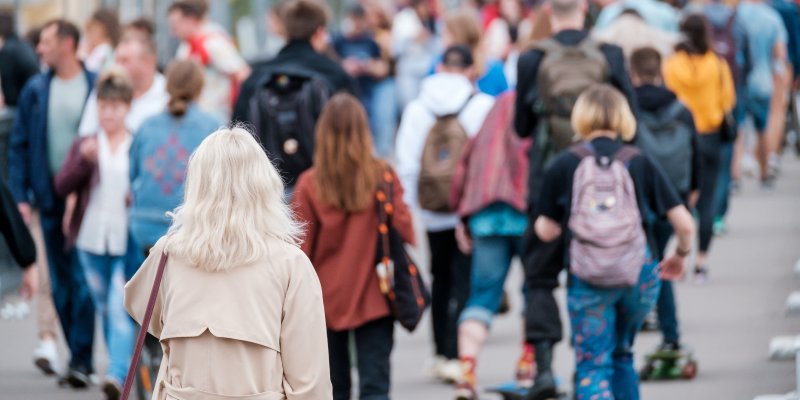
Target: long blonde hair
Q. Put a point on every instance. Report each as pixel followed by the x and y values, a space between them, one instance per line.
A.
pixel 233 206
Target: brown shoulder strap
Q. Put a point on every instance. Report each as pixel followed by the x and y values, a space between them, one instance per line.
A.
pixel 148 314
pixel 548 45
pixel 626 153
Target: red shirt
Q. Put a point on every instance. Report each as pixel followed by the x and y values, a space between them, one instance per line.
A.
pixel 342 246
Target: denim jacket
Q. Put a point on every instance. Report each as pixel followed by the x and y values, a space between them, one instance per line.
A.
pixel 28 166
pixel 158 157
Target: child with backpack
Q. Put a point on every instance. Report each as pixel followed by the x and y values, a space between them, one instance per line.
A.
pixel 489 194
pixel 605 191
pixel 668 135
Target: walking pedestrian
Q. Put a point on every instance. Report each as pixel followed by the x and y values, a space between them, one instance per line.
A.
pixel 103 32
pixel 489 193
pixel 667 134
pixel 159 153
pixel 613 285
pixel 96 168
pixel 18 61
pixel 702 81
pixel 214 50
pixel 239 311
pixel 449 92
pixel 337 200
pixel 48 113
pixel 546 92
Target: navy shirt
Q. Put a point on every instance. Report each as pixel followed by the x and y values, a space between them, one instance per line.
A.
pixel 362 48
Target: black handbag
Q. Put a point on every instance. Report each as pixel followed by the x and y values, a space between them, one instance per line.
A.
pixel 399 277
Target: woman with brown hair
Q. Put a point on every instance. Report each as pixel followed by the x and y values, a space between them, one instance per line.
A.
pixel 103 32
pixel 337 198
pixel 160 151
pixel 462 28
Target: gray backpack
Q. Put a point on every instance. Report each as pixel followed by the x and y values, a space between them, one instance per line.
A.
pixel 608 240
pixel 668 141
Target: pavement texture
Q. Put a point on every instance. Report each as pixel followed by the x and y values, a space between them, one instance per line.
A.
pixel 728 322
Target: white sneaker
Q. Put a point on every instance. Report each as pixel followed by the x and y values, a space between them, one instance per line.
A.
pixel 45 357
pixel 450 371
pixel 433 366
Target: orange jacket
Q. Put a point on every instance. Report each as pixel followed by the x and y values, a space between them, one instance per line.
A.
pixel 704 84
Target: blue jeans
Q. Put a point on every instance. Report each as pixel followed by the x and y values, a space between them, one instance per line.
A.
pixel 604 324
pixel 724 183
pixel 491 261
pixel 383 116
pixel 70 292
pixel 105 275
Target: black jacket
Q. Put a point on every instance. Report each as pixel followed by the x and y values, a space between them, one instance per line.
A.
pixel 296 53
pixel 18 63
pixel 19 240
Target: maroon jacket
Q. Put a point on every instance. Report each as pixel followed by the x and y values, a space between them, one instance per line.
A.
pixel 76 175
pixel 494 164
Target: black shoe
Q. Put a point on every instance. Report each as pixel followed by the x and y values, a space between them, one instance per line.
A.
pixel 505 306
pixel 112 389
pixel 669 346
pixel 544 386
pixel 78 376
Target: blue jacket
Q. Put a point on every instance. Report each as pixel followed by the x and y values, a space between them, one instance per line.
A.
pixel 158 157
pixel 28 167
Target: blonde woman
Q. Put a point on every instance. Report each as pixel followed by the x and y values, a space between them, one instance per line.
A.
pixel 239 311
pixel 604 319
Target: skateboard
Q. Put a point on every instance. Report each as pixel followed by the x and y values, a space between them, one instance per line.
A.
pixel 510 390
pixel 667 365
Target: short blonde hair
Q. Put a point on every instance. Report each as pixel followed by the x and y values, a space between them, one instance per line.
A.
pixel 233 206
pixel 603 108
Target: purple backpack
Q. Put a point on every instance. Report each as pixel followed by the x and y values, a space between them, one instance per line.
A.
pixel 608 242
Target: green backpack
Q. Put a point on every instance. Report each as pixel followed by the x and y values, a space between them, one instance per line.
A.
pixel 564 73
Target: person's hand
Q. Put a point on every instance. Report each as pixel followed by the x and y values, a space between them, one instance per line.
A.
pixel 694 196
pixel 672 267
pixel 352 66
pixel 463 239
pixel 25 211
pixel 89 149
pixel 30 282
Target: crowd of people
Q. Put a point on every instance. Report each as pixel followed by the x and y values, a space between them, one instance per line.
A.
pixel 576 135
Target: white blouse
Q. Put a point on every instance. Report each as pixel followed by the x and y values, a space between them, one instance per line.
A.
pixel 104 230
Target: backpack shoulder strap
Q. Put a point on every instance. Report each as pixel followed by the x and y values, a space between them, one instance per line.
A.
pixel 675 109
pixel 548 45
pixel 457 112
pixel 582 150
pixel 729 23
pixel 626 153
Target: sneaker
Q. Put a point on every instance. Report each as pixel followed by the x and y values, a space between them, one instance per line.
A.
pixel 465 391
pixel 768 185
pixel 450 372
pixel 669 347
pixel 112 388
pixel 700 275
pixel 78 377
pixel 720 228
pixel 734 188
pixel 434 365
pixel 526 367
pixel 45 357
pixel 774 164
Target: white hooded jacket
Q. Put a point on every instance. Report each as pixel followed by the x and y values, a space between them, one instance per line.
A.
pixel 440 94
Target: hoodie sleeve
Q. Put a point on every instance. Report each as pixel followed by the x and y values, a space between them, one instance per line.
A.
pixel 411 135
pixel 688 119
pixel 728 91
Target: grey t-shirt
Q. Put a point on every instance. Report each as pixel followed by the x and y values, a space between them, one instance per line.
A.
pixel 64 110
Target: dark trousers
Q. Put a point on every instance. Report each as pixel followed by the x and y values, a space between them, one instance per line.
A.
pixel 724 182
pixel 710 149
pixel 667 312
pixel 449 291
pixel 374 341
pixel 70 291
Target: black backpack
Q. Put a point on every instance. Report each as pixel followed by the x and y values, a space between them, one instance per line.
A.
pixel 284 111
pixel 665 138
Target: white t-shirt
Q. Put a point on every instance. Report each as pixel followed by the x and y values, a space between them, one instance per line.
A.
pixel 104 229
pixel 152 102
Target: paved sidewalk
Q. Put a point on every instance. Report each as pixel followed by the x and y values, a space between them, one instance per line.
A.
pixel 729 322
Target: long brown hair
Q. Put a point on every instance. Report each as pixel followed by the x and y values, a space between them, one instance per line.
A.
pixel 345 171
pixel 184 84
pixel 466 30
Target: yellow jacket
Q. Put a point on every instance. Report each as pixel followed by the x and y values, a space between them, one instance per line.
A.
pixel 704 84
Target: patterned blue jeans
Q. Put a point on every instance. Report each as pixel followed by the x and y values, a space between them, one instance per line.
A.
pixel 604 324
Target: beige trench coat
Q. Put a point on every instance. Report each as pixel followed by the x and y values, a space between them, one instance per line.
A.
pixel 255 332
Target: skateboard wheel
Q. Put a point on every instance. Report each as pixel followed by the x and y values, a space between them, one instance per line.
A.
pixel 646 373
pixel 689 371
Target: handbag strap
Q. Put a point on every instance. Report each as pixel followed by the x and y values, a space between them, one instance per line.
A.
pixel 385 195
pixel 148 314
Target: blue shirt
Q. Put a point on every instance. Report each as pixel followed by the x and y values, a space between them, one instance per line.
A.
pixel 657 14
pixel 498 219
pixel 362 48
pixel 764 28
pixel 492 82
